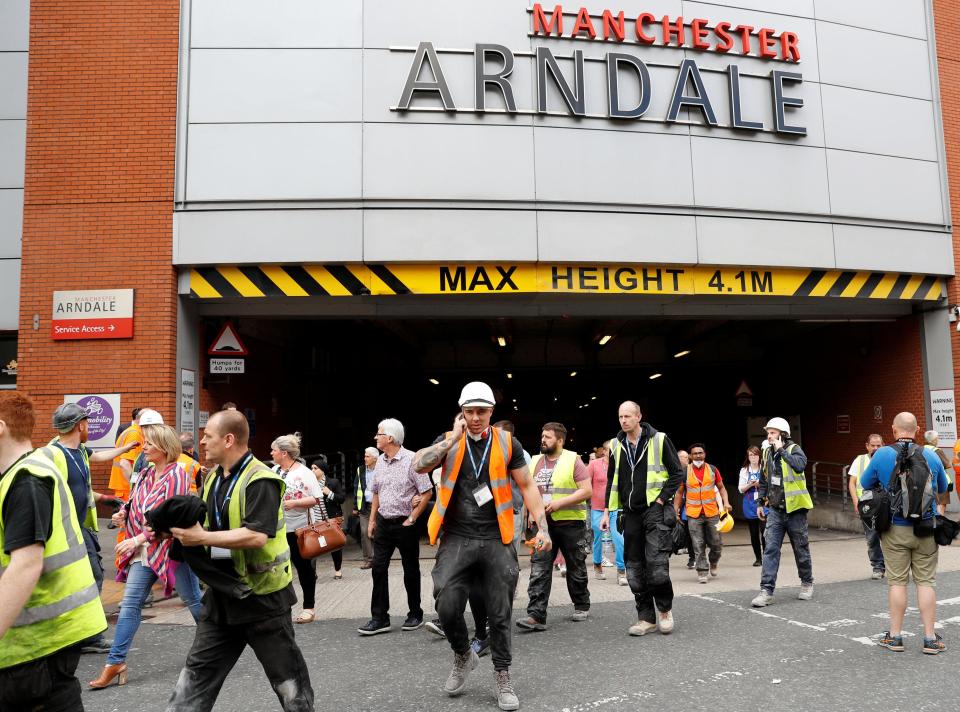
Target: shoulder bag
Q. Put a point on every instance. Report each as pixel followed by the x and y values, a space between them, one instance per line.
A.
pixel 320 537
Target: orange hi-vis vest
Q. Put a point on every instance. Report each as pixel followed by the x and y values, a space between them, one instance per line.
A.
pixel 702 495
pixel 501 451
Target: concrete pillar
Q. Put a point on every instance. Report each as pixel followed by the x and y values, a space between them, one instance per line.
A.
pixel 936 333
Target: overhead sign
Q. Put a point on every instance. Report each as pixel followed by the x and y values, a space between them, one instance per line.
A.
pixel 188 400
pixel 744 395
pixel 227 365
pixel 843 425
pixel 536 277
pixel 93 314
pixel 627 73
pixel 943 412
pixel 227 343
pixel 103 417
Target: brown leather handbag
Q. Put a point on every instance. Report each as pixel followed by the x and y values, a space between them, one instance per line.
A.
pixel 320 537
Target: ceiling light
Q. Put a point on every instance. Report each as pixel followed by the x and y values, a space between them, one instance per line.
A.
pixel 593 397
pixel 501 340
pixel 681 354
pixel 509 375
pixel 656 375
pixel 605 338
pixel 573 373
pixel 434 381
pixel 514 400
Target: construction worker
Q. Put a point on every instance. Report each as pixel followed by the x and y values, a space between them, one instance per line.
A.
pixel 702 487
pixel 784 494
pixel 857 468
pixel 564 484
pixel 123 466
pixel 364 500
pixel 191 464
pixel 642 478
pixel 50 600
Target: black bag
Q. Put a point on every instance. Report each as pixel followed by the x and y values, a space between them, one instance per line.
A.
pixel 911 486
pixel 875 508
pixel 946 530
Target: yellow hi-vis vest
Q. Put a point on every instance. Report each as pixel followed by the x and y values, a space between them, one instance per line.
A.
pixel 861 462
pixel 656 473
pixel 64 607
pixel 795 491
pixel 264 570
pixel 90 516
pixel 563 484
pixel 359 489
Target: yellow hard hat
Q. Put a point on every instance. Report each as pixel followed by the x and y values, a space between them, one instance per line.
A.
pixel 726 523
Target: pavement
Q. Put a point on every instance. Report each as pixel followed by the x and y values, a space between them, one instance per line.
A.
pixel 724 655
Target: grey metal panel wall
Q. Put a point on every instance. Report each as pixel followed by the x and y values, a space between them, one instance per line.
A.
pixel 14 42
pixel 289 121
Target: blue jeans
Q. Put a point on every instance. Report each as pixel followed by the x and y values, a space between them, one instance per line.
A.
pixel 873 548
pixel 793 525
pixel 595 516
pixel 140 579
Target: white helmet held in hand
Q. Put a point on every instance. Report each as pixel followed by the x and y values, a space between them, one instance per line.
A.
pixel 778 424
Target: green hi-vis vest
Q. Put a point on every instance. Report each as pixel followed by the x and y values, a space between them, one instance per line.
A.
pixel 90 516
pixel 861 462
pixel 359 490
pixel 64 607
pixel 656 474
pixel 563 484
pixel 264 570
pixel 794 483
pixel 948 470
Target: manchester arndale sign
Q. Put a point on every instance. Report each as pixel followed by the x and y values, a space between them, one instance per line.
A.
pixel 494 65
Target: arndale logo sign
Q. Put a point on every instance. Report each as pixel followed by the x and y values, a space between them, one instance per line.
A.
pixel 427 89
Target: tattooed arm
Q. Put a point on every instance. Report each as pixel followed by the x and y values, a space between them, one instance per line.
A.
pixel 534 504
pixel 429 458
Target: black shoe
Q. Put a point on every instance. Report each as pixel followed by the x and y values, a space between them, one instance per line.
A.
pixel 691 564
pixel 95 647
pixel 758 563
pixel 480 647
pixel 412 623
pixel 435 627
pixel 373 627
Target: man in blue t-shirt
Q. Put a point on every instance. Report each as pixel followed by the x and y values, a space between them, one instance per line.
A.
pixel 904 552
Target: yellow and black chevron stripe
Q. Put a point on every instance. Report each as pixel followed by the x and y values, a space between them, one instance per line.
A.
pixel 346 280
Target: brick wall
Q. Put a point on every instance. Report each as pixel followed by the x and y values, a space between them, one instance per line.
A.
pixel 98 204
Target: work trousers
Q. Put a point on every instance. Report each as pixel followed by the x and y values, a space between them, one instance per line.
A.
pixel 873 548
pixel 570 539
pixel 47 685
pixel 703 533
pixel 92 542
pixel 215 651
pixel 489 567
pixel 793 525
pixel 366 543
pixel 647 543
pixel 389 536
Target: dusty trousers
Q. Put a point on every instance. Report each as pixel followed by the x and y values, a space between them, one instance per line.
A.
pixel 570 539
pixel 647 543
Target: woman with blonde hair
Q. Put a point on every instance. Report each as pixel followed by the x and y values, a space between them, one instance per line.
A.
pixel 143 557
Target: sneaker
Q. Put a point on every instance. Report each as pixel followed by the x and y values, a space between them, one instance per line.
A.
pixel 367 565
pixel 877 574
pixel 372 627
pixel 598 572
pixel 531 623
pixel 702 577
pixel 713 571
pixel 435 627
pixel 806 592
pixel 95 647
pixel 412 623
pixel 606 563
pixel 762 599
pixel 894 642
pixel 506 698
pixel 622 578
pixel 580 616
pixel 462 666
pixel 642 627
pixel 666 622
pixel 758 563
pixel 480 647
pixel 691 563
pixel 932 646
pixel 563 571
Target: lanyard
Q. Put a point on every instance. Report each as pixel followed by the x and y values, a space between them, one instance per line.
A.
pixel 486 451
pixel 218 511
pixel 84 472
pixel 630 459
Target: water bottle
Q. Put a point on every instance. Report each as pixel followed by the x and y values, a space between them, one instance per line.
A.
pixel 607 540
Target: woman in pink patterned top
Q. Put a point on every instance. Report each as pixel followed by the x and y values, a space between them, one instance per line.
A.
pixel 143 557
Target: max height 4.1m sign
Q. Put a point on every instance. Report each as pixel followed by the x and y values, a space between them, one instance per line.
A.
pixel 93 314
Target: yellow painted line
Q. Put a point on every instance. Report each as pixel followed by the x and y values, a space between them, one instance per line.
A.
pixel 240 282
pixel 283 280
pixel 327 281
pixel 201 287
pixel 912 286
pixel 936 291
pixel 825 283
pixel 370 280
pixel 856 284
pixel 882 290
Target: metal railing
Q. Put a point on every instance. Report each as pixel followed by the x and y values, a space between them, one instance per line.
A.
pixel 829 480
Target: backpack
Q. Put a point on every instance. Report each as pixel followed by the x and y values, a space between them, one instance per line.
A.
pixel 911 489
pixel 874 508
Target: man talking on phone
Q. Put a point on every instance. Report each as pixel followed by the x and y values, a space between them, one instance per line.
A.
pixel 475 511
pixel 784 501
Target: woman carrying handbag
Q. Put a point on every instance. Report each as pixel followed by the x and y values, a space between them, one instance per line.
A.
pixel 333 497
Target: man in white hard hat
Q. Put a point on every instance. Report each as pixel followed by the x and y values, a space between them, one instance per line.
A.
pixel 783 491
pixel 475 511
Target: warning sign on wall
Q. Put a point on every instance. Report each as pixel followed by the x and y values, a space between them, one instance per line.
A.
pixel 943 411
pixel 227 343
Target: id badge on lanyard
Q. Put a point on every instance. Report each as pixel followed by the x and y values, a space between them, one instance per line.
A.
pixel 482 495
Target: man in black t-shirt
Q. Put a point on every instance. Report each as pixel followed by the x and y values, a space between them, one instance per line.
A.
pixel 475 512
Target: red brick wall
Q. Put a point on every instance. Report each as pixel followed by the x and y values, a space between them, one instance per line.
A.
pixel 98 203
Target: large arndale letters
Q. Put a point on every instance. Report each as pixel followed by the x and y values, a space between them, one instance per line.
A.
pixel 688 90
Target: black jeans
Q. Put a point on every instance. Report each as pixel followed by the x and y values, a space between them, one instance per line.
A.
pixel 215 651
pixel 647 543
pixel 757 540
pixel 389 536
pixel 92 542
pixel 305 572
pixel 571 540
pixel 45 685
pixel 490 567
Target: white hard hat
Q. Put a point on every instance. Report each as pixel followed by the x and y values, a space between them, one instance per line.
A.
pixel 150 417
pixel 477 393
pixel 779 424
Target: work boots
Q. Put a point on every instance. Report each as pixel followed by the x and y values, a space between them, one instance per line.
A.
pixel 506 698
pixel 462 666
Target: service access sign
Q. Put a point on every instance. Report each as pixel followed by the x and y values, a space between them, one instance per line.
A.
pixel 93 314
